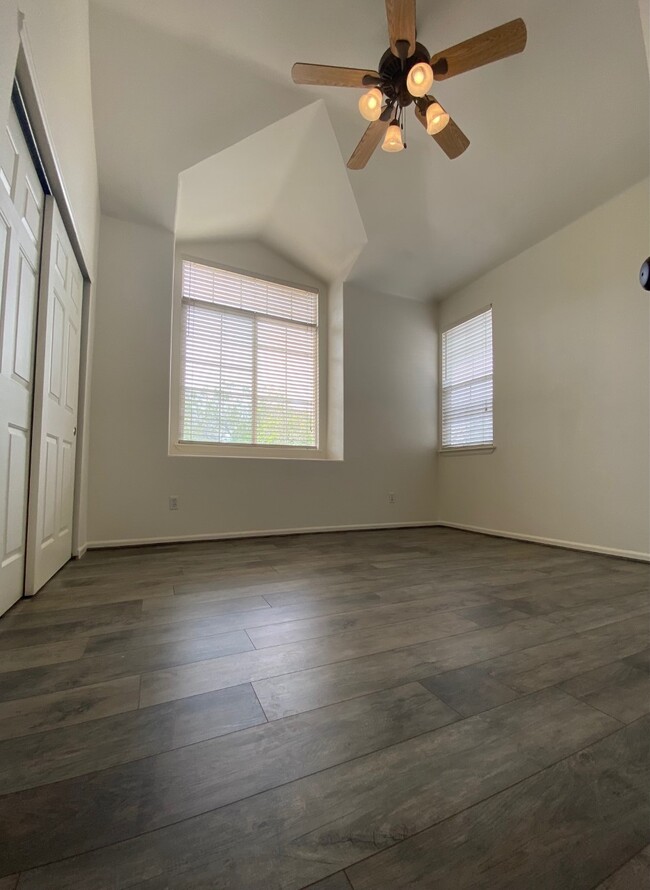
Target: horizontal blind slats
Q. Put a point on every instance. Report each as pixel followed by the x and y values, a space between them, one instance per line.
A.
pixel 247 379
pixel 467 383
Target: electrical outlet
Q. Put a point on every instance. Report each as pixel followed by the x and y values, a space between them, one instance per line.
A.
pixel 391 497
pixel 173 502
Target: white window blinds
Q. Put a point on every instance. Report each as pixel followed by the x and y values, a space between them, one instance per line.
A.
pixel 249 360
pixel 467 383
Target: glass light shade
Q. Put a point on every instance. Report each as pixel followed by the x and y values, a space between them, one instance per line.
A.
pixel 370 104
pixel 393 139
pixel 437 118
pixel 419 79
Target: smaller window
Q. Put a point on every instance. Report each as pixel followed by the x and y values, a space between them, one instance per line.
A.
pixel 467 383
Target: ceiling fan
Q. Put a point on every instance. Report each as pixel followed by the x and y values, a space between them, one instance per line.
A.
pixel 405 74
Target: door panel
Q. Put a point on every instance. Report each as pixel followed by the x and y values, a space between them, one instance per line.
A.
pixel 21 213
pixel 9 158
pixel 16 488
pixel 23 341
pixel 55 414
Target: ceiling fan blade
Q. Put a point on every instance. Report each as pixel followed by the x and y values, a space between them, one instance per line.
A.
pixel 451 140
pixel 401 24
pixel 368 143
pixel 331 76
pixel 499 43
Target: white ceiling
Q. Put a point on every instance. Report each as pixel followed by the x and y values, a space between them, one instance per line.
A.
pixel 281 200
pixel 554 131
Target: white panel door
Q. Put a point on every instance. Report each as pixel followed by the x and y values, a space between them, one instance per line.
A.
pixel 21 212
pixel 49 541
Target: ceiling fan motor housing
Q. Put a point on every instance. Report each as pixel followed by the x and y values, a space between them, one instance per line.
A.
pixel 393 74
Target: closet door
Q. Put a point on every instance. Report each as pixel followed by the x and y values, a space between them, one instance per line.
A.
pixel 21 212
pixel 51 500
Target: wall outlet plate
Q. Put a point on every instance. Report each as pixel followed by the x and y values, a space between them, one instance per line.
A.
pixel 391 497
pixel 173 502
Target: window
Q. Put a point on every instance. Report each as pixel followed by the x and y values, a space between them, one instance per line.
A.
pixel 467 383
pixel 248 360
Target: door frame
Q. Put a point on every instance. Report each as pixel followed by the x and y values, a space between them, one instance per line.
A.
pixel 29 96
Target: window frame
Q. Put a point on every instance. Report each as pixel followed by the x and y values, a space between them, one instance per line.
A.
pixel 179 448
pixel 487 447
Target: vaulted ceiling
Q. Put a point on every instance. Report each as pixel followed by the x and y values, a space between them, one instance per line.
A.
pixel 554 131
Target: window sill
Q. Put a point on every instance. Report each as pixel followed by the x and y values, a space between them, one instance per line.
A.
pixel 468 449
pixel 249 452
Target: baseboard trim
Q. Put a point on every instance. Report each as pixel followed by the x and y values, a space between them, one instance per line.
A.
pixel 314 530
pixel 550 542
pixel 260 533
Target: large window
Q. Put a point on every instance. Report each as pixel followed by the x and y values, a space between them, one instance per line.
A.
pixel 248 360
pixel 467 383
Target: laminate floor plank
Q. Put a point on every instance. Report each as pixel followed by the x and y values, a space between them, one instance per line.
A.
pixel 43 654
pixel 618 689
pixel 316 826
pixel 469 690
pixel 36 614
pixel 173 627
pixel 639 660
pixel 634 875
pixel 127 735
pixel 92 595
pixel 23 716
pixel 164 611
pixel 167 684
pixel 562 828
pixel 579 618
pixel 89 671
pixel 338 881
pixel 182 783
pixel 302 690
pixel 391 614
pixel 491 614
pixel 551 663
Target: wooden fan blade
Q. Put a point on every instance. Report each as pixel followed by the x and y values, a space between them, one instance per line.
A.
pixel 499 43
pixel 368 143
pixel 451 140
pixel 401 24
pixel 331 76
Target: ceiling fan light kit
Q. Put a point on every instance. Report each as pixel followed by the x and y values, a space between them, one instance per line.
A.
pixel 437 118
pixel 393 139
pixel 419 79
pixel 370 104
pixel 405 74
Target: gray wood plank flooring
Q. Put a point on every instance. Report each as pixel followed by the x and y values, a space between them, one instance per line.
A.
pixel 385 709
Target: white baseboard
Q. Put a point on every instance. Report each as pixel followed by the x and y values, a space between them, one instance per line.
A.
pixel 276 532
pixel 261 533
pixel 551 542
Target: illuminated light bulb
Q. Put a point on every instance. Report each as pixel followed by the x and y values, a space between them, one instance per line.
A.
pixel 419 79
pixel 370 104
pixel 437 118
pixel 393 139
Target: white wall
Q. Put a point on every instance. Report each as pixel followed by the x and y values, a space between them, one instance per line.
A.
pixel 8 52
pixel 571 382
pixel 390 426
